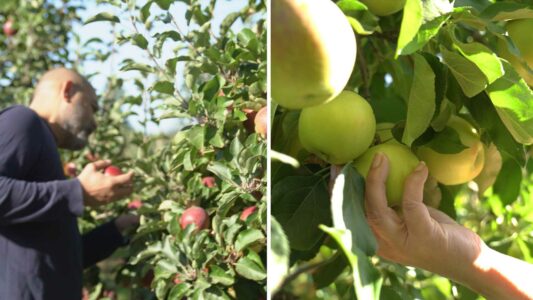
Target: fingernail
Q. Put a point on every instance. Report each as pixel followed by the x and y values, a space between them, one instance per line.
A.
pixel 420 167
pixel 377 160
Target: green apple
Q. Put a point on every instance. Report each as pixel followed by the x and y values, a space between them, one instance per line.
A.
pixel 313 52
pixel 491 169
pixel 401 163
pixel 520 33
pixel 340 130
pixel 384 7
pixel 456 168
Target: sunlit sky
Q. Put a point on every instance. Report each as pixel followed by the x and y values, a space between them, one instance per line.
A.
pixel 103 30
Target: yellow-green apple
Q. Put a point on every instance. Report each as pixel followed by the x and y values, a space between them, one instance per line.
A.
pixel 340 130
pixel 194 215
pixel 520 33
pixel 261 121
pixel 384 7
pixel 401 163
pixel 313 52
pixel 456 168
pixel 491 169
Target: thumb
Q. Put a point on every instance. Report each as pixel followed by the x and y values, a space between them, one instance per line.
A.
pixel 416 214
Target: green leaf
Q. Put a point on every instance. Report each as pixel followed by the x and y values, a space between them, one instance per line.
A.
pixel 513 101
pixel 471 80
pixel 367 280
pixel 248 237
pixel 140 41
pixel 421 21
pixel 196 136
pixel 502 11
pixel 487 62
pixel 421 103
pixel 107 17
pixel 325 275
pixel 165 87
pixel 219 275
pixel 484 113
pixel 164 4
pixel 362 21
pixel 300 204
pixel 145 10
pixel 221 171
pixel 347 209
pixel 446 141
pixel 250 269
pixel 278 258
pixel 507 185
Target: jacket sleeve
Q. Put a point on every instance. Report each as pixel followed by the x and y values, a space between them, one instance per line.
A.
pixel 22 201
pixel 101 242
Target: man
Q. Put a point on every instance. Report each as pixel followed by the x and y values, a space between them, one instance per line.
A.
pixel 42 254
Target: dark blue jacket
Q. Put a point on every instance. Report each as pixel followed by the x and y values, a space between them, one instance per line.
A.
pixel 42 254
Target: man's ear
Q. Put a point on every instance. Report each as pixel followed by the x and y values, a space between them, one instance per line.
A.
pixel 68 90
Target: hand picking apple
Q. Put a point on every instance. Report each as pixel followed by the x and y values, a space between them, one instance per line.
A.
pixel 427 238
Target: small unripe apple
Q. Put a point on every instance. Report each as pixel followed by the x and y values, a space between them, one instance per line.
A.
pixel 340 130
pixel 112 171
pixel 401 163
pixel 9 28
pixel 194 215
pixel 70 169
pixel 135 204
pixel 261 122
pixel 209 181
pixel 247 212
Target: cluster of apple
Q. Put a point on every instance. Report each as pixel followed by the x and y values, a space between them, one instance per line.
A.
pixel 339 126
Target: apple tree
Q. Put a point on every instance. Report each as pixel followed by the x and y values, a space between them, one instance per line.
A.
pixel 446 82
pixel 200 193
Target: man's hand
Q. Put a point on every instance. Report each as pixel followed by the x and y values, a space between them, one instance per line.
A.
pixel 99 189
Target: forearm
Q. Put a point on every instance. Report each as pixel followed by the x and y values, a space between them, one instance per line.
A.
pixel 498 276
pixel 22 201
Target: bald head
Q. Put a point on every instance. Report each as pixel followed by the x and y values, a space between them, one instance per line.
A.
pixel 67 101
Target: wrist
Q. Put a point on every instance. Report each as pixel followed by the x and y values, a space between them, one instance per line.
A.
pixel 498 276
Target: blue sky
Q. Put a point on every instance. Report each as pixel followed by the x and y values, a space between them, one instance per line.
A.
pixel 103 30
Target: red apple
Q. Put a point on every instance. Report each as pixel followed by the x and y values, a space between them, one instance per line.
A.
pixel 194 215
pixel 135 204
pixel 112 171
pixel 9 28
pixel 177 279
pixel 261 122
pixel 70 169
pixel 209 181
pixel 249 124
pixel 247 212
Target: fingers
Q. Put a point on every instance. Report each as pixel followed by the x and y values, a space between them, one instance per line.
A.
pixel 379 215
pixel 123 179
pixel 100 164
pixel 415 212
